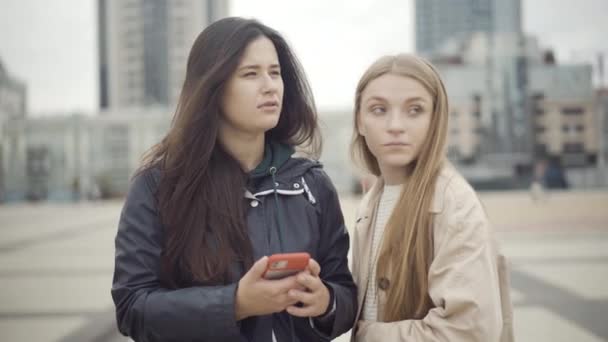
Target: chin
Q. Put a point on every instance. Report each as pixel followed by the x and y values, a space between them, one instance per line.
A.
pixel 266 126
pixel 397 161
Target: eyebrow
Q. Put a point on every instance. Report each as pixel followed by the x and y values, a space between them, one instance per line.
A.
pixel 257 66
pixel 375 98
pixel 381 99
pixel 417 98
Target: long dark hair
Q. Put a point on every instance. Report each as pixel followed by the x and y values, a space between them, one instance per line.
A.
pixel 201 187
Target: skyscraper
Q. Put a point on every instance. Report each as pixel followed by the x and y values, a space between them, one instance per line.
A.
pixel 440 20
pixel 144 45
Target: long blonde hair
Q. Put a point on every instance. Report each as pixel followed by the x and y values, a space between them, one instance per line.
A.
pixel 407 248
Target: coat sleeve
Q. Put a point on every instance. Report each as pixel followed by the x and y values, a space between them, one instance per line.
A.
pixel 333 258
pixel 463 285
pixel 144 309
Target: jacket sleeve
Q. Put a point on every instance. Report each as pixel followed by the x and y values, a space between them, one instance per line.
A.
pixel 333 257
pixel 144 309
pixel 463 285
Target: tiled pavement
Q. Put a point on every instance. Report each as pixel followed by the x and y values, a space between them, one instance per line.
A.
pixel 56 266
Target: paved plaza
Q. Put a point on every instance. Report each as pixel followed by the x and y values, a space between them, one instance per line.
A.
pixel 56 267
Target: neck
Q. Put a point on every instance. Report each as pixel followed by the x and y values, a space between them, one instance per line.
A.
pixel 394 175
pixel 246 148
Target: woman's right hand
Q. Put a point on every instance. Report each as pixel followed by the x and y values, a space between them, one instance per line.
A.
pixel 257 296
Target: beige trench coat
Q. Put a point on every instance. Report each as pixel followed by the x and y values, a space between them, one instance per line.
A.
pixel 468 277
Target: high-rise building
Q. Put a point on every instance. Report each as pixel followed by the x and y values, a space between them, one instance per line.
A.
pixel 438 21
pixel 144 45
pixel 487 34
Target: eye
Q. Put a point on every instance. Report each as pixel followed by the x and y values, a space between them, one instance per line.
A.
pixel 415 110
pixel 377 110
pixel 249 74
pixel 275 72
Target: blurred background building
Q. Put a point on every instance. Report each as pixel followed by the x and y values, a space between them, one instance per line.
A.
pixel 143 48
pixel 13 96
pixel 513 105
pixel 144 45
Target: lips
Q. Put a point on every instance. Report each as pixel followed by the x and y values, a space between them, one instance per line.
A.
pixel 269 105
pixel 396 143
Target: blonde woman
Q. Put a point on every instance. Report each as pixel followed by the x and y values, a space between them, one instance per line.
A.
pixel 424 256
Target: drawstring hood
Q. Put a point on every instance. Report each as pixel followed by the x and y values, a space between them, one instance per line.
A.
pixel 275 155
pixel 279 212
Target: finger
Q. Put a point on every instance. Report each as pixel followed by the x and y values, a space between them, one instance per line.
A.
pixel 306 298
pixel 306 311
pixel 308 281
pixel 285 284
pixel 314 267
pixel 285 300
pixel 258 268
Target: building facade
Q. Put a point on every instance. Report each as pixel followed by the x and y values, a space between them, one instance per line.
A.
pixel 144 46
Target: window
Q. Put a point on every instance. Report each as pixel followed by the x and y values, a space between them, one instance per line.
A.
pixel 573 148
pixel 573 111
pixel 537 106
pixel 540 149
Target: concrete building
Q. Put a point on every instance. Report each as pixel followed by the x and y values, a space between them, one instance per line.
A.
pixel 441 20
pixel 488 35
pixel 565 117
pixel 144 46
pixel 64 158
pixel 71 157
pixel 519 108
pixel 13 99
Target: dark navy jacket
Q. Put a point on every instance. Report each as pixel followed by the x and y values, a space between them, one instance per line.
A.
pixel 311 221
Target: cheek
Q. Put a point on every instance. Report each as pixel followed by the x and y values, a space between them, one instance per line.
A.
pixel 241 98
pixel 281 89
pixel 372 139
pixel 418 127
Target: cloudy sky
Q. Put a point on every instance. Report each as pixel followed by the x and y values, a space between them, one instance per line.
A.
pixel 52 46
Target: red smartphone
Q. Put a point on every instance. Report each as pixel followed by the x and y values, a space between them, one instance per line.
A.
pixel 286 264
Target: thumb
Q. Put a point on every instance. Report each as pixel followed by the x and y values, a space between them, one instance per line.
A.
pixel 258 268
pixel 314 267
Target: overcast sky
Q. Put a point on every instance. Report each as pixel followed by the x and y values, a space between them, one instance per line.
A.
pixel 52 45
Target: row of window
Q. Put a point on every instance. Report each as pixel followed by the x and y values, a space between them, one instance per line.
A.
pixel 567 148
pixel 565 128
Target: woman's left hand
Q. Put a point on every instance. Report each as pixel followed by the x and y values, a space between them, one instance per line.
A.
pixel 315 299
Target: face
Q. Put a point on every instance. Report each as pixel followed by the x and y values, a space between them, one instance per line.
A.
pixel 394 117
pixel 253 96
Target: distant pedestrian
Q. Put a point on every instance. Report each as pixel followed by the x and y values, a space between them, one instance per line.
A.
pixel 555 176
pixel 537 188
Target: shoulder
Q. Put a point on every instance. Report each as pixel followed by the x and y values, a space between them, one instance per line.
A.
pixel 315 176
pixel 457 202
pixel 144 183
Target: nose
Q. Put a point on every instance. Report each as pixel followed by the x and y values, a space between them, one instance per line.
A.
pixel 395 122
pixel 269 84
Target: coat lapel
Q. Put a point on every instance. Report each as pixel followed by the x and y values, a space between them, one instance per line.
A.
pixel 365 231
